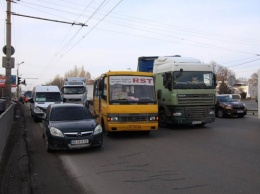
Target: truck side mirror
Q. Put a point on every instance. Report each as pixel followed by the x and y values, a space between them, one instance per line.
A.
pixel 169 81
pixel 159 94
pixel 215 80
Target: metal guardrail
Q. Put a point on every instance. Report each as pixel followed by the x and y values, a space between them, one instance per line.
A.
pixel 6 122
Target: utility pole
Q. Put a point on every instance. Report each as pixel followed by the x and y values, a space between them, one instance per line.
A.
pixel 8 67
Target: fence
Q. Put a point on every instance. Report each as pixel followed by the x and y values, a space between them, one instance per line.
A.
pixel 6 121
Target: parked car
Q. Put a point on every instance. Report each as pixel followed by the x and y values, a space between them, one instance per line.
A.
pixel 226 106
pixel 70 126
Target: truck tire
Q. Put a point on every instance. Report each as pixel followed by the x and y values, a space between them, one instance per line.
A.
pixel 107 133
pixel 163 120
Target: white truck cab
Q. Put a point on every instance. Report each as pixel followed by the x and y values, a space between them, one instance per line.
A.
pixel 42 97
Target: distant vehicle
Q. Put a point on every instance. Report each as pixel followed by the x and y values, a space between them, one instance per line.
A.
pixel 70 126
pixel 28 94
pixel 42 97
pixel 90 88
pixel 74 90
pixel 226 107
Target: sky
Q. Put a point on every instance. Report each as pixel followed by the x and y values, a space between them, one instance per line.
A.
pixel 117 32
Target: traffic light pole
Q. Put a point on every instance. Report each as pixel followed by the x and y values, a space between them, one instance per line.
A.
pixel 17 83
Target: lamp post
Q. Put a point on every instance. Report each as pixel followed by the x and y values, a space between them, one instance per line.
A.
pixel 17 86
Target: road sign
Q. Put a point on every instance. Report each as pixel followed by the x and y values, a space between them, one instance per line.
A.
pixel 12 50
pixel 7 63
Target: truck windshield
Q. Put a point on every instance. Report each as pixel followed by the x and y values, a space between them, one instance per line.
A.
pixel 48 97
pixel 193 80
pixel 131 89
pixel 74 90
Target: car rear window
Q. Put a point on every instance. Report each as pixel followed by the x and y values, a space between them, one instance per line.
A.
pixel 70 113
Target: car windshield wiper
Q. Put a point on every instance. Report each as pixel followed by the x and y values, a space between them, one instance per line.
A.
pixel 146 99
pixel 120 100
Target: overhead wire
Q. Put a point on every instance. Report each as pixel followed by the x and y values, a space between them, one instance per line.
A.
pixel 195 43
pixel 181 29
pixel 92 28
pixel 81 27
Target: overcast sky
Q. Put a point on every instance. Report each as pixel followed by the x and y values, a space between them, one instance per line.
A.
pixel 118 32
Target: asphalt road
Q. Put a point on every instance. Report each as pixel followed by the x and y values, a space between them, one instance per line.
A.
pixel 221 157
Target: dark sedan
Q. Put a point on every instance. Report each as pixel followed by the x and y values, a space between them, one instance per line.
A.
pixel 70 126
pixel 226 107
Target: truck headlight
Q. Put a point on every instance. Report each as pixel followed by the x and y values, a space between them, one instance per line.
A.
pixel 37 110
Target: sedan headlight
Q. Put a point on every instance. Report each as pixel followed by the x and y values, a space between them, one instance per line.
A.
pixel 56 132
pixel 98 130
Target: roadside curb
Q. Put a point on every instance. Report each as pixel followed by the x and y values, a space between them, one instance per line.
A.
pixel 14 166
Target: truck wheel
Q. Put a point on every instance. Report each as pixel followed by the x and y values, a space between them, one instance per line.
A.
pixel 104 130
pixel 163 121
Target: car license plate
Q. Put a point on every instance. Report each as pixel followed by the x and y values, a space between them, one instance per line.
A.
pixel 240 111
pixel 134 127
pixel 80 141
pixel 196 122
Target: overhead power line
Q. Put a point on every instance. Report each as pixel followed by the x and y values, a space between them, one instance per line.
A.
pixel 33 17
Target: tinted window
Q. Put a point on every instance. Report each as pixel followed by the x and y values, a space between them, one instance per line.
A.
pixel 224 99
pixel 70 113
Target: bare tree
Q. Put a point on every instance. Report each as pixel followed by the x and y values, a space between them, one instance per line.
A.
pixel 76 72
pixel 222 73
pixel 254 79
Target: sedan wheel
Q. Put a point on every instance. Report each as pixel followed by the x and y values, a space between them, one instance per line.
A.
pixel 47 146
pixel 220 113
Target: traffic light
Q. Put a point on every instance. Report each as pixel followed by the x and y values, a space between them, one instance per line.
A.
pixel 18 80
pixel 23 82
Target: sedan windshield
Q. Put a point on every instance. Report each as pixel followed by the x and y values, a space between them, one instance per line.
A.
pixel 225 99
pixel 69 114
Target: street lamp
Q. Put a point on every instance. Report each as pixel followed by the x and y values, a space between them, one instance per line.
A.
pixel 17 85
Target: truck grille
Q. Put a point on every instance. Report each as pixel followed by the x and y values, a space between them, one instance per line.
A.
pixel 195 99
pixel 196 113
